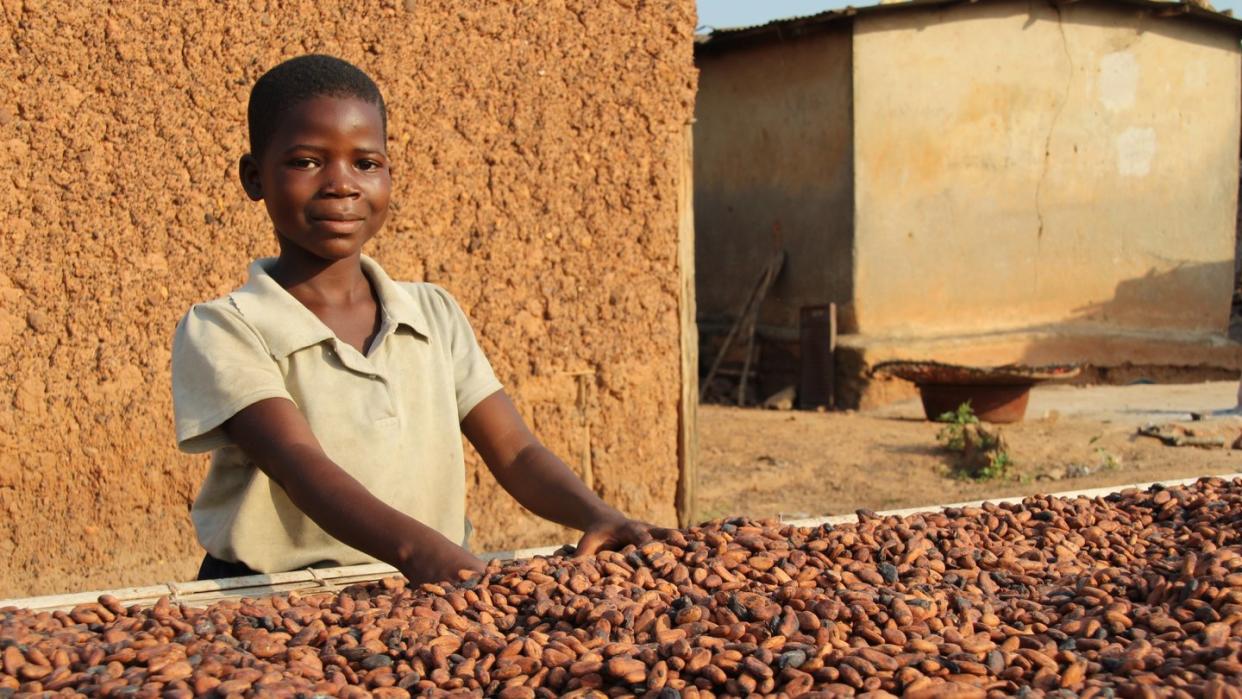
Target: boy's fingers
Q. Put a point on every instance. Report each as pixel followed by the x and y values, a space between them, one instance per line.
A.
pixel 589 545
pixel 633 532
pixel 642 534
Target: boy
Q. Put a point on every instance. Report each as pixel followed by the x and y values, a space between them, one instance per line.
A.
pixel 333 398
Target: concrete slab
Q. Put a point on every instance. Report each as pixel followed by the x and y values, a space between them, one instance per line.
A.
pixel 1135 405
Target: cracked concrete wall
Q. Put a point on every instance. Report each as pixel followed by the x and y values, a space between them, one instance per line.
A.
pixel 1017 165
pixel 538 149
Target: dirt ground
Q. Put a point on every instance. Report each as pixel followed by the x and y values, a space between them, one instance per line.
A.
pixel 804 464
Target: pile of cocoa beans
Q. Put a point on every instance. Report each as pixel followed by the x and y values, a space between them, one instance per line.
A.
pixel 1138 594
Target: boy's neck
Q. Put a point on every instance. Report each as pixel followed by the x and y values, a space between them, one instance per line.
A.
pixel 314 281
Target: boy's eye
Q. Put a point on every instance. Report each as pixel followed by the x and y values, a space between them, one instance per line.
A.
pixel 366 165
pixel 302 163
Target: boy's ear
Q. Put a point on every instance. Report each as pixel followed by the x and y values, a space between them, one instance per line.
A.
pixel 248 173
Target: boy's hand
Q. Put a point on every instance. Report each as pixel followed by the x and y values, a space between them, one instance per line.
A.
pixel 449 563
pixel 541 482
pixel 614 533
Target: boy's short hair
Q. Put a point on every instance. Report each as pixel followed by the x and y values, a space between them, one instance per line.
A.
pixel 299 79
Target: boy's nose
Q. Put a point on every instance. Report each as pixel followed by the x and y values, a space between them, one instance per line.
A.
pixel 339 181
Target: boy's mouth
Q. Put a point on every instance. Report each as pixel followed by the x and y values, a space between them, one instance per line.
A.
pixel 338 225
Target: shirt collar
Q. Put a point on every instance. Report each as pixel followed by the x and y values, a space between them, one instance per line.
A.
pixel 287 326
pixel 395 301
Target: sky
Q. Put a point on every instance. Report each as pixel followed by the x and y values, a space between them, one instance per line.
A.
pixel 742 13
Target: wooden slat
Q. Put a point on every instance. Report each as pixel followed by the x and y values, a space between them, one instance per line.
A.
pixel 209 591
pixel 688 405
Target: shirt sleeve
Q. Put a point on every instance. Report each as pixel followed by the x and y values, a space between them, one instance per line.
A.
pixel 219 366
pixel 472 373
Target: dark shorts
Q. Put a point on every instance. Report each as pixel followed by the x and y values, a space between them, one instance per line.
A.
pixel 213 568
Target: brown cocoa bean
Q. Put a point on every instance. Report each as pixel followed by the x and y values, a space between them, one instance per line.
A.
pixel 1080 595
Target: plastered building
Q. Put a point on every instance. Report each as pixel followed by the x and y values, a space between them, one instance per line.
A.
pixel 980 183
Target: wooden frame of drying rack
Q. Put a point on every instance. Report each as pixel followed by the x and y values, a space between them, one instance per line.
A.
pixel 313 580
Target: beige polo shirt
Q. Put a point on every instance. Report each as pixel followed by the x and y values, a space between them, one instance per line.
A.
pixel 391 417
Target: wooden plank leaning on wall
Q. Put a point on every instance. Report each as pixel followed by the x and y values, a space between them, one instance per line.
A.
pixel 688 408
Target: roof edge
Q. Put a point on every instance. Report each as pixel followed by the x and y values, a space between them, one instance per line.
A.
pixel 793 27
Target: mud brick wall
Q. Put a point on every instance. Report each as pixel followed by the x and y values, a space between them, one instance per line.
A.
pixel 535 146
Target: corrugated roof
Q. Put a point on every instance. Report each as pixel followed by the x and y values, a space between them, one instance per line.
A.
pixel 810 24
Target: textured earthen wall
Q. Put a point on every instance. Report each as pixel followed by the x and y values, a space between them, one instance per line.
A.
pixel 536 147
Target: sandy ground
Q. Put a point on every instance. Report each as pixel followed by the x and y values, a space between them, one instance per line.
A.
pixel 802 464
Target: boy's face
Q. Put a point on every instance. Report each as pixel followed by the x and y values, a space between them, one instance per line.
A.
pixel 324 176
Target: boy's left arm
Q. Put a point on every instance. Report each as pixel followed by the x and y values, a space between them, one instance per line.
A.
pixel 541 482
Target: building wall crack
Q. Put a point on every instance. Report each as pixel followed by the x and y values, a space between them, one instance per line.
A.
pixel 1069 79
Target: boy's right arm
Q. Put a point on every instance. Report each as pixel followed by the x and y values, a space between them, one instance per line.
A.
pixel 276 436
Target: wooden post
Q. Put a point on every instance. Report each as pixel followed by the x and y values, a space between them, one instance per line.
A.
pixel 818 339
pixel 688 406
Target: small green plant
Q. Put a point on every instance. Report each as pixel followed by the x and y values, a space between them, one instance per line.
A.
pixel 997 466
pixel 1108 462
pixel 982 453
pixel 953 434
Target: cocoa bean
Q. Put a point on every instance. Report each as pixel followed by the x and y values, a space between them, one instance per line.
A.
pixel 1136 594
